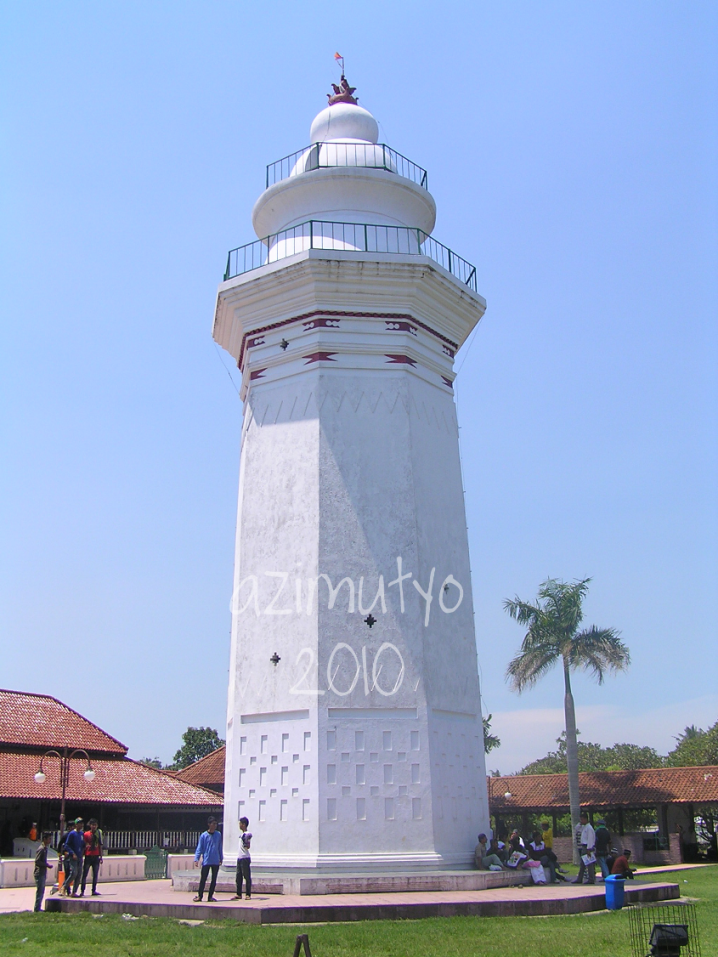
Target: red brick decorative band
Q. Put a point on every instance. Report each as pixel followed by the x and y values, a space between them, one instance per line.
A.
pixel 390 317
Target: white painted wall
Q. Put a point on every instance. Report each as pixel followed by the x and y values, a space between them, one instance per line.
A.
pixel 362 747
pixel 344 195
pixel 347 464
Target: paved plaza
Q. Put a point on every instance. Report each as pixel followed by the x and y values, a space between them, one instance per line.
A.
pixel 157 899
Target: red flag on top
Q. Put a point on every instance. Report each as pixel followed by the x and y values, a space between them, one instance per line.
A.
pixel 340 60
pixel 338 56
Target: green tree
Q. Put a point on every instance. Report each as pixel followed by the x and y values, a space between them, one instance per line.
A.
pixel 197 743
pixel 491 741
pixel 632 757
pixel 152 763
pixel 594 757
pixel 695 747
pixel 553 636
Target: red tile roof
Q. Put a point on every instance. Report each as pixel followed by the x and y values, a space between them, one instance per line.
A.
pixel 117 781
pixel 40 721
pixel 207 772
pixel 644 788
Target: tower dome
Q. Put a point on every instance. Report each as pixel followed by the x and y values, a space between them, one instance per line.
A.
pixel 344 177
pixel 344 121
pixel 342 135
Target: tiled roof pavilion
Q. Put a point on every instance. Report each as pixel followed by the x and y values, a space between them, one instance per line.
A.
pixel 31 724
pixel 40 721
pixel 648 787
pixel 208 772
pixel 120 781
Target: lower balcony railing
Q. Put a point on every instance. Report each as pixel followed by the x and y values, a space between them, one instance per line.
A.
pixel 355 237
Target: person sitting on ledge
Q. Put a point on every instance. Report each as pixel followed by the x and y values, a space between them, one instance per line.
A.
pixel 621 867
pixel 516 842
pixel 537 851
pixel 498 848
pixel 483 859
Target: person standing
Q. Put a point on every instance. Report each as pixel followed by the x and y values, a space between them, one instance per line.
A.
pixel 244 861
pixel 547 835
pixel 587 846
pixel 547 838
pixel 603 846
pixel 59 884
pixel 209 848
pixel 41 869
pixel 93 856
pixel 74 852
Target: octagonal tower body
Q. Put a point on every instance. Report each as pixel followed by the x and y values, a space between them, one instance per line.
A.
pixel 354 733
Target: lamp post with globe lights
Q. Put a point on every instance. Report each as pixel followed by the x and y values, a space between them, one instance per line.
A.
pixel 507 797
pixel 64 759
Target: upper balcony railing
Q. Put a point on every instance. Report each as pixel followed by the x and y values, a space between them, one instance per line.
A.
pixel 334 155
pixel 351 237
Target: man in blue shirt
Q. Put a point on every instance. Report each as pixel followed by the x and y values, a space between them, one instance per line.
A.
pixel 209 848
pixel 74 851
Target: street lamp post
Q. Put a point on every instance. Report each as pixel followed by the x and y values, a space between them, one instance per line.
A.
pixel 64 759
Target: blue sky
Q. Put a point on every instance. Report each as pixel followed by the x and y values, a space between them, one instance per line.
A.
pixel 571 149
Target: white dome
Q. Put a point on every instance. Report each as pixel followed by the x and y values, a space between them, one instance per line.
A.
pixel 344 177
pixel 344 121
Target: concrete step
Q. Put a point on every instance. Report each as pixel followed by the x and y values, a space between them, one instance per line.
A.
pixel 308 884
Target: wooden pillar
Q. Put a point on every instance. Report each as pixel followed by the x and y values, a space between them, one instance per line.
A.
pixel 524 824
pixel 662 815
pixel 619 812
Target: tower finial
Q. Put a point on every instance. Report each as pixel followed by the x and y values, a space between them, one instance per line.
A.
pixel 342 93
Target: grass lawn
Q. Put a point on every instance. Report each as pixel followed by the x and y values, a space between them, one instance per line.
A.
pixel 597 935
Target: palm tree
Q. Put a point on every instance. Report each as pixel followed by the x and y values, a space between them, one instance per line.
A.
pixel 491 740
pixel 552 635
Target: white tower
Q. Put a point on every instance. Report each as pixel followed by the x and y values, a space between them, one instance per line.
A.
pixel 354 733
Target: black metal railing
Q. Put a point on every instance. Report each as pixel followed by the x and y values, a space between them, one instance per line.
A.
pixel 354 237
pixel 332 155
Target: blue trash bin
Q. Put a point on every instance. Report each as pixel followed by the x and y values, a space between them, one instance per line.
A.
pixel 614 891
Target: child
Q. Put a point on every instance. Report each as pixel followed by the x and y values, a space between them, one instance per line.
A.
pixel 41 869
pixel 244 860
